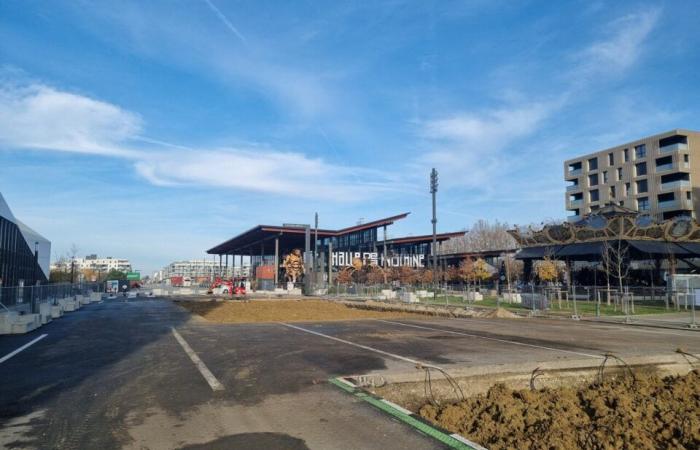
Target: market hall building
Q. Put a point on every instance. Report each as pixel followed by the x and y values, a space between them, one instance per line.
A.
pixel 268 245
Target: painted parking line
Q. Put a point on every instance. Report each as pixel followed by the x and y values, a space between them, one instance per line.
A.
pixel 354 344
pixel 507 341
pixel 203 369
pixel 24 347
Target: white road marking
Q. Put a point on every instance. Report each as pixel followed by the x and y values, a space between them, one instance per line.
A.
pixel 24 347
pixel 507 341
pixel 203 369
pixel 365 347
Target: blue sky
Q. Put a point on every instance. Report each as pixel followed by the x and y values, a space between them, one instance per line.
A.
pixel 154 130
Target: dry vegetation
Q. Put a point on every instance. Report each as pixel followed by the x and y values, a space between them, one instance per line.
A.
pixel 283 311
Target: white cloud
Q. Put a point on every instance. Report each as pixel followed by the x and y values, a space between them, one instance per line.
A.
pixel 467 146
pixel 494 128
pixel 261 170
pixel 39 117
pixel 621 49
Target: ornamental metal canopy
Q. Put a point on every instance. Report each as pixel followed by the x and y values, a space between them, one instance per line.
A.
pixel 609 223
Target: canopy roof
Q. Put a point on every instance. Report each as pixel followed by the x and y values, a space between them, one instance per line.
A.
pixel 594 250
pixel 261 237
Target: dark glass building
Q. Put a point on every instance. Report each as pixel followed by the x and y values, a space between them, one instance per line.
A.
pixel 268 245
pixel 24 253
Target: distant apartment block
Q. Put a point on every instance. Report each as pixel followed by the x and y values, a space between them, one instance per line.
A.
pixel 658 175
pixel 200 269
pixel 92 262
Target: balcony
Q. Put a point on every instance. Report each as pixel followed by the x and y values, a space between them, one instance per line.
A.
pixel 675 185
pixel 573 218
pixel 573 187
pixel 664 167
pixel 673 148
pixel 676 204
pixel 574 172
pixel 575 203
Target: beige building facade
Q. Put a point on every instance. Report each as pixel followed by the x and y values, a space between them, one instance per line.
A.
pixel 658 175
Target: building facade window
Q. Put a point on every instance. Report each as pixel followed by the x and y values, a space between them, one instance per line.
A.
pixel 626 154
pixel 593 180
pixel 642 186
pixel 640 169
pixel 640 151
pixel 643 204
pixel 593 164
pixel 611 159
pixel 605 176
pixel 612 192
pixel 619 173
pixel 594 195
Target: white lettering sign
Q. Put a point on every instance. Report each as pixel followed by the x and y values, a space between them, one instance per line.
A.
pixel 345 259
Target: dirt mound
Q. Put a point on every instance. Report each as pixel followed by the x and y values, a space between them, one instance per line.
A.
pixel 642 411
pixel 283 311
pixel 499 313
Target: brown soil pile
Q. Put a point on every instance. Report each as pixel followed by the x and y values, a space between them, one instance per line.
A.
pixel 283 311
pixel 640 412
pixel 500 313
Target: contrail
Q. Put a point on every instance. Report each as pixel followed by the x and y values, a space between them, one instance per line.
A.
pixel 226 22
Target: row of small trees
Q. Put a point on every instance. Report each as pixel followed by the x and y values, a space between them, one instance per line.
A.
pixel 470 271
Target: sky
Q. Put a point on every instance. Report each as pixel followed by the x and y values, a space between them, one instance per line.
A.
pixel 153 130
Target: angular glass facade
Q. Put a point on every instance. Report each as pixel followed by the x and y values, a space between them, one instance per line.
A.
pixel 18 260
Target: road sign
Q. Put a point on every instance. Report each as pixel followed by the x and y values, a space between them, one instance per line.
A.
pixel 133 276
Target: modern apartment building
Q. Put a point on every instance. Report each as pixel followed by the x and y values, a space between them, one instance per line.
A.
pixel 658 175
pixel 93 262
pixel 200 269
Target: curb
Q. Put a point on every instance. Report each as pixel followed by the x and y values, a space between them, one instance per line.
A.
pixel 452 440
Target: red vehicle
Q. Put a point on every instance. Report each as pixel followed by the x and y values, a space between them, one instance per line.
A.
pixel 234 287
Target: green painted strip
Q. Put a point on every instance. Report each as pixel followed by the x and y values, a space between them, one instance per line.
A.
pixel 403 417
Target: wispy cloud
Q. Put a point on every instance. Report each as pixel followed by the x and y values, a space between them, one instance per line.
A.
pixel 225 20
pixel 468 146
pixel 620 49
pixel 186 39
pixel 40 117
pixel 473 142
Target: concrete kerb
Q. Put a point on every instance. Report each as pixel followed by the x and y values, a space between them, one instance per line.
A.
pixel 12 322
pixel 452 440
pixel 665 364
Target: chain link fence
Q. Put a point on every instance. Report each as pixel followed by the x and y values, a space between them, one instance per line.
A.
pixel 673 305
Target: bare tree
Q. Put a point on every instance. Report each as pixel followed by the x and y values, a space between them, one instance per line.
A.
pixel 72 253
pixel 482 236
pixel 615 258
pixel 513 269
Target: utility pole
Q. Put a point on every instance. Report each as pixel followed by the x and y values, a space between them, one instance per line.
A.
pixel 315 245
pixel 433 191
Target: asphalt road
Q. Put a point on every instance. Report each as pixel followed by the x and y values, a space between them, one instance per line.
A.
pixel 113 375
